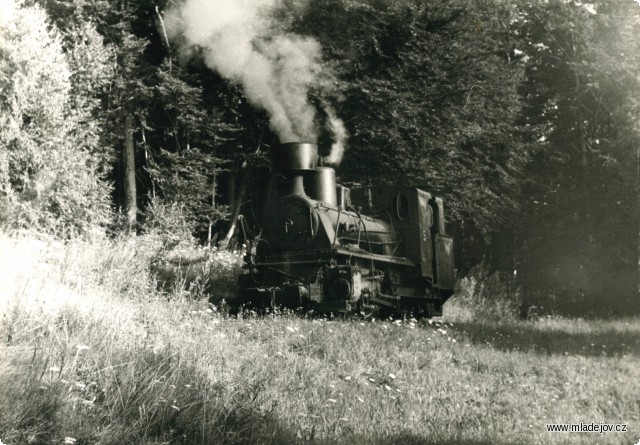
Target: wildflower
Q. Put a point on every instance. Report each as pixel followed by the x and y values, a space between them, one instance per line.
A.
pixel 175 407
pixel 392 376
pixel 347 378
pixel 82 347
pixel 387 387
pixel 290 329
pixel 372 380
pixel 54 369
pixel 332 400
pixel 360 399
pixel 69 440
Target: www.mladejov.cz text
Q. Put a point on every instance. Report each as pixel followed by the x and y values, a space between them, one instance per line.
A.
pixel 591 427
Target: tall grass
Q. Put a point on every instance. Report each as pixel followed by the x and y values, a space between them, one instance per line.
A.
pixel 96 352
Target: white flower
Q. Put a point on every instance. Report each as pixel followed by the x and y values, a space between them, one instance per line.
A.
pixel 69 440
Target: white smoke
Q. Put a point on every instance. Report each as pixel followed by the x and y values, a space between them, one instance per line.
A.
pixel 240 40
pixel 337 129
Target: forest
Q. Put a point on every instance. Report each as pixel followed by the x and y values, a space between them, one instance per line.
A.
pixel 524 115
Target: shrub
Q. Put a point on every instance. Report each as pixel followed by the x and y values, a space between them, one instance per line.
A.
pixel 182 267
pixel 484 295
pixel 48 152
pixel 199 272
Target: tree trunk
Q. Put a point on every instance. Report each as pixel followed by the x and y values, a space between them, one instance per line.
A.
pixel 238 200
pixel 638 212
pixel 129 175
pixel 213 205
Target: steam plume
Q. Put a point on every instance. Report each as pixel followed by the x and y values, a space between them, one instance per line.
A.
pixel 241 41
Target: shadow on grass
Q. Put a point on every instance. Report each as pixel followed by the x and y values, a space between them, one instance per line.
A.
pixel 277 434
pixel 252 428
pixel 531 338
pixel 405 439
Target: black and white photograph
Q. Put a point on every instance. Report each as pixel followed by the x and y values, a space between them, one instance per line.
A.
pixel 323 222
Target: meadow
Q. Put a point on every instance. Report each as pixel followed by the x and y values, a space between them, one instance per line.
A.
pixel 96 351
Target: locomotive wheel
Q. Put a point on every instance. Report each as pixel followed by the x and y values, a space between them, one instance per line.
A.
pixel 369 312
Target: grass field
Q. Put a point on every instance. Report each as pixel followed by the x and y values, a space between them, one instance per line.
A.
pixel 93 353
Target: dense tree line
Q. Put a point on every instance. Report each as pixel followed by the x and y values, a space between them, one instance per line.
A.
pixel 522 114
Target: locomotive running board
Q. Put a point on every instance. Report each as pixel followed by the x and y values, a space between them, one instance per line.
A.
pixel 375 256
pixel 303 257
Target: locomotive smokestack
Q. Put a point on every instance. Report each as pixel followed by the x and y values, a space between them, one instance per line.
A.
pixel 294 156
pixel 294 160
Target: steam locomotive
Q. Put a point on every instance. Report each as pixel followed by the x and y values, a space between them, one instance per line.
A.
pixel 325 247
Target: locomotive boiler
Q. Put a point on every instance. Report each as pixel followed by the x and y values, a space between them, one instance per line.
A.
pixel 326 247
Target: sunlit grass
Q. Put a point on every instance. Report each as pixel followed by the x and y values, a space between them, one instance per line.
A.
pixel 93 352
